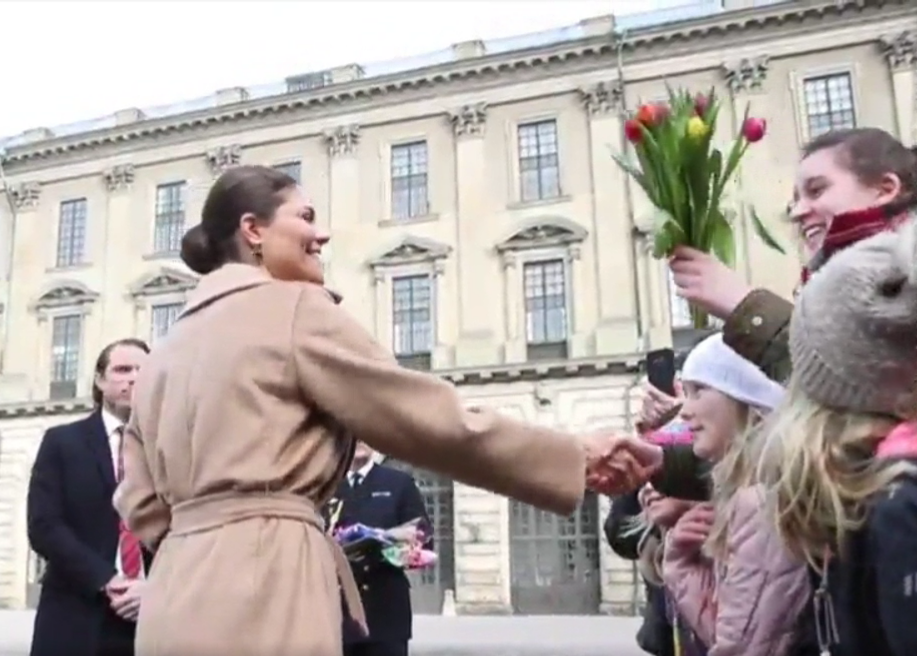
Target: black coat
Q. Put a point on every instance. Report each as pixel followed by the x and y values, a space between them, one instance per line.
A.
pixel 73 525
pixel 385 499
pixel 655 635
pixel 873 584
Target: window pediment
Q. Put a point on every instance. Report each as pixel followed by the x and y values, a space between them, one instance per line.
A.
pixel 164 281
pixel 543 232
pixel 65 294
pixel 410 250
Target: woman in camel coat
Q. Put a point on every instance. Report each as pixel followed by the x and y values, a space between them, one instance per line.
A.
pixel 244 422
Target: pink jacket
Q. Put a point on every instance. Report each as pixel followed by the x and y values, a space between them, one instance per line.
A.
pixel 748 605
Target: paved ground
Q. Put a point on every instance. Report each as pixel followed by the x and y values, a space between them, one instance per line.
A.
pixel 456 636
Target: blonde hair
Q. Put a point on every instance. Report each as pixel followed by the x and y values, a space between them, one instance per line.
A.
pixel 820 470
pixel 732 472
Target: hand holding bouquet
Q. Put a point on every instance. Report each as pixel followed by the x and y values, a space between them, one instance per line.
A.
pixel 401 546
pixel 685 177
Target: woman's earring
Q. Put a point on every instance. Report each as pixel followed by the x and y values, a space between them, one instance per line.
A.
pixel 256 252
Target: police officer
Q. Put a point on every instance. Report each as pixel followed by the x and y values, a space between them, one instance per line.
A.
pixel 379 497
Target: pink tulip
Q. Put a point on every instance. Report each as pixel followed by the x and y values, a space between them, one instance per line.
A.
pixel 754 129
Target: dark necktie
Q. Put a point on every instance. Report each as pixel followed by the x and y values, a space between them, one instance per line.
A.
pixel 355 481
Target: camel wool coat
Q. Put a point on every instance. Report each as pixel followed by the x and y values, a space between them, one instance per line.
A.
pixel 243 424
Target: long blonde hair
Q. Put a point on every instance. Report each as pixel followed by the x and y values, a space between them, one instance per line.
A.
pixel 820 470
pixel 732 472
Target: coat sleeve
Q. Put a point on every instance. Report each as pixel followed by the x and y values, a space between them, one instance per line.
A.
pixel 623 529
pixel 683 475
pixel 411 506
pixel 763 590
pixel 758 330
pixel 420 419
pixel 893 545
pixel 690 579
pixel 49 535
pixel 143 510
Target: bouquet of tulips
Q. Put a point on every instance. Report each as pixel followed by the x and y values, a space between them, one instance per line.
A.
pixel 685 177
pixel 403 546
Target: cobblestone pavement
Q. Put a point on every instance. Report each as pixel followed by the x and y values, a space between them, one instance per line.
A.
pixel 456 636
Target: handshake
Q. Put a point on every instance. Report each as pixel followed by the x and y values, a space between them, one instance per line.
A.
pixel 618 464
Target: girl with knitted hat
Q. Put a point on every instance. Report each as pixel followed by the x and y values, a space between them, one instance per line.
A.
pixel 839 457
pixel 732 580
pixel 850 184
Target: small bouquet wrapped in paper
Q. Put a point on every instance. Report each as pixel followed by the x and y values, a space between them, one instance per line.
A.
pixel 685 177
pixel 402 546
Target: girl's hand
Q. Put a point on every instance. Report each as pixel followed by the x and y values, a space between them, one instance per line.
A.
pixel 707 283
pixel 692 530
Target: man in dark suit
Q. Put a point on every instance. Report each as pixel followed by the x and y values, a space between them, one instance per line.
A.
pixel 93 585
pixel 380 497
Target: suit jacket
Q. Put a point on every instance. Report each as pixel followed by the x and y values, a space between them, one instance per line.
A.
pixel 386 498
pixel 73 525
pixel 240 433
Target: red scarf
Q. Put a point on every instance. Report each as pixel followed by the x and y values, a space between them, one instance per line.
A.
pixel 850 227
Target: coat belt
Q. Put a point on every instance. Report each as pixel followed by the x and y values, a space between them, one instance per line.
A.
pixel 212 511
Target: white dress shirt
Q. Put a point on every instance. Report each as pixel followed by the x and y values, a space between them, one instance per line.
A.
pixel 361 472
pixel 113 428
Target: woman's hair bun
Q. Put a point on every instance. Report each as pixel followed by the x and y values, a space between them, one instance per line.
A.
pixel 197 251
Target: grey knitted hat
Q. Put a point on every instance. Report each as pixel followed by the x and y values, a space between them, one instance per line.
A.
pixel 853 335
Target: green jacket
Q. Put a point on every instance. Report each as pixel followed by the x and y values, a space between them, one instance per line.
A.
pixel 758 330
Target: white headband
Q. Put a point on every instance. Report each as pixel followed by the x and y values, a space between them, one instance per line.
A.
pixel 714 364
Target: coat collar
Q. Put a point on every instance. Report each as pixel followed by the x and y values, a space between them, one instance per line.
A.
pixel 97 439
pixel 229 279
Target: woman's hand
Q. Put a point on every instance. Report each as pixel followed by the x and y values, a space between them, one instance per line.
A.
pixel 693 528
pixel 618 464
pixel 657 408
pixel 707 283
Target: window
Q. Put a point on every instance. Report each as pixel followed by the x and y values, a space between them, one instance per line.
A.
pixel 71 233
pixel 161 319
pixel 829 103
pixel 409 181
pixel 169 226
pixel 412 320
pixel 545 286
pixel 679 307
pixel 539 170
pixel 66 340
pixel 292 169
pixel 309 81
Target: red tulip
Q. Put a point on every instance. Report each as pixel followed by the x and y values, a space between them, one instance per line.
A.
pixel 754 129
pixel 633 130
pixel 651 115
pixel 701 104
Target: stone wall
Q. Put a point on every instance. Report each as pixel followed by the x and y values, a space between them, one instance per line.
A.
pixel 482 549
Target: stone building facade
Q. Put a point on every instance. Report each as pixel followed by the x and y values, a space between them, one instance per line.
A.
pixel 480 227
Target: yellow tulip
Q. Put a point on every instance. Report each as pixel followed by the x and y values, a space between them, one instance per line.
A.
pixel 697 129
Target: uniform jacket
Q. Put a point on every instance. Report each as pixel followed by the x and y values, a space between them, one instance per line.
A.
pixel 241 431
pixel 73 526
pixel 750 604
pixel 386 498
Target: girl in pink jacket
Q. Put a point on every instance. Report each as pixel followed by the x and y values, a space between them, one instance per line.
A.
pixel 732 580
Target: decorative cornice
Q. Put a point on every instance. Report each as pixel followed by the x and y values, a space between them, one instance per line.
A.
pixel 746 74
pixel 222 158
pixel 642 44
pixel 469 120
pixel 45 408
pixel 602 98
pixel 65 294
pixel 165 280
pixel 119 178
pixel 900 51
pixel 342 140
pixel 25 195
